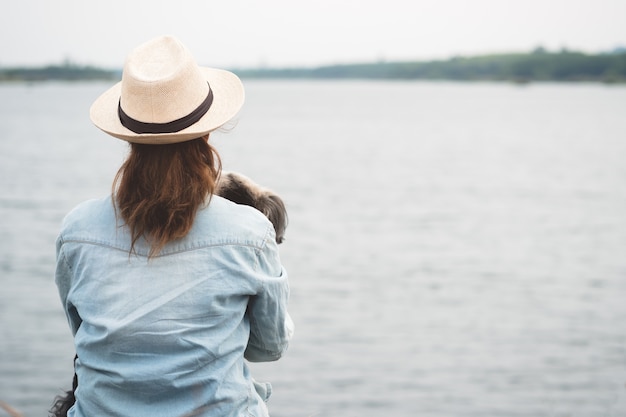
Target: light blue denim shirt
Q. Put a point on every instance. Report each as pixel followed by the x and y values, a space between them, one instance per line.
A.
pixel 167 336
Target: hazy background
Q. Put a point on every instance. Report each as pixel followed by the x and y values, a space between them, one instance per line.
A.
pixel 237 33
pixel 506 233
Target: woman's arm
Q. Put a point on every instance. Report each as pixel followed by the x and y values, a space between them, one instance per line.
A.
pixel 63 279
pixel 271 327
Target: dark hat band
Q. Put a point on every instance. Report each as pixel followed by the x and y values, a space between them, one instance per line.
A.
pixel 169 127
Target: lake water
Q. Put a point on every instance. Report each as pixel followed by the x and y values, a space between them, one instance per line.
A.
pixel 454 250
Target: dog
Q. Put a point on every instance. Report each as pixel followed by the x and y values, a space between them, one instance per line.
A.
pixel 238 189
pixel 242 190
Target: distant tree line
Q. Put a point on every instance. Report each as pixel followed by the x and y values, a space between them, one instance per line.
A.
pixel 538 65
pixel 64 72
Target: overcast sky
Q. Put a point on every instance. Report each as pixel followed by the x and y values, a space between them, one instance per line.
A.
pixel 250 33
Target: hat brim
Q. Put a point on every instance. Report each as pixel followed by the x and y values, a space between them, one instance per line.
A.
pixel 228 97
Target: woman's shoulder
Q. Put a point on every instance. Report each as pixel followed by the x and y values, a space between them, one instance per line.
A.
pixel 220 222
pixel 224 220
pixel 90 212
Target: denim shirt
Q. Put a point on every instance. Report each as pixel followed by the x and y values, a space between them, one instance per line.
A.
pixel 167 336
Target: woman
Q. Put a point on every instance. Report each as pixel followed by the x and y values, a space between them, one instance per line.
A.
pixel 167 287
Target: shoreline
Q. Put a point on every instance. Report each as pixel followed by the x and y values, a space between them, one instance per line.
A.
pixel 518 68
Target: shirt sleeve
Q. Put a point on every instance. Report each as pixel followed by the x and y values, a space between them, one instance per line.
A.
pixel 271 327
pixel 63 280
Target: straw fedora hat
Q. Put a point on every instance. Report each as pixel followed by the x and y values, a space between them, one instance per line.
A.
pixel 165 97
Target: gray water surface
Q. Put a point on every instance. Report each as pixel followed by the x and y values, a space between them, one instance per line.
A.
pixel 454 250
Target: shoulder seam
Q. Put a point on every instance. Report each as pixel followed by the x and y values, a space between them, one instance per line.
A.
pixel 190 248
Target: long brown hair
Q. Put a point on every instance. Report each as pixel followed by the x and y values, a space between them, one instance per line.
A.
pixel 159 188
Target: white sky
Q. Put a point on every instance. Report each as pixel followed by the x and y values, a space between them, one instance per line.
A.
pixel 250 33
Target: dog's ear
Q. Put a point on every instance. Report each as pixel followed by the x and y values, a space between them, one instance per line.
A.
pixel 274 209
